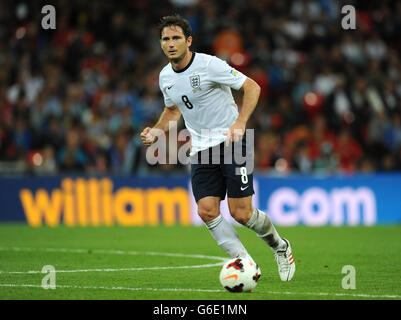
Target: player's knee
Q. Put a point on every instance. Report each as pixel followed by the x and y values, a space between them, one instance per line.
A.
pixel 241 214
pixel 208 211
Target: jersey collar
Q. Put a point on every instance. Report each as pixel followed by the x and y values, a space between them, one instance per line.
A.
pixel 187 66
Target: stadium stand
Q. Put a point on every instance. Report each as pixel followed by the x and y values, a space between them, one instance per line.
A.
pixel 73 100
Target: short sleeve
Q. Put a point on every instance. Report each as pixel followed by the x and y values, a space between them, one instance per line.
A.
pixel 221 72
pixel 167 101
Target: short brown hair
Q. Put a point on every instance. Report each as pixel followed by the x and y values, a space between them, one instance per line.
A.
pixel 175 20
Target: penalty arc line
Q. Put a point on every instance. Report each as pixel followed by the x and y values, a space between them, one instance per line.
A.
pixel 100 251
pixel 119 252
pixel 206 290
pixel 121 269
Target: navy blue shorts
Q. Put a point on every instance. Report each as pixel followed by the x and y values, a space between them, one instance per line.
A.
pixel 213 174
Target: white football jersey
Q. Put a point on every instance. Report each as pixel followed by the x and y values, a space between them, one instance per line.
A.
pixel 202 93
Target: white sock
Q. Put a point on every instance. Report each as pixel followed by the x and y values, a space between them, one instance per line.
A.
pixel 262 225
pixel 227 238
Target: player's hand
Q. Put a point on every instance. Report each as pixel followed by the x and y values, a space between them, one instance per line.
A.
pixel 148 136
pixel 235 132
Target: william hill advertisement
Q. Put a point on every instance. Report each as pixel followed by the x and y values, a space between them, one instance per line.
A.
pixel 134 201
pixel 95 201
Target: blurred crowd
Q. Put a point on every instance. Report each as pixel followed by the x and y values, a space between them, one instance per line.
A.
pixel 74 99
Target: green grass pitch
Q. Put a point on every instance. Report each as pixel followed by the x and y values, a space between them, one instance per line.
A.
pixel 157 263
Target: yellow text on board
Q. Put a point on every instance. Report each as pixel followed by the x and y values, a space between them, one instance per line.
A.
pixel 92 202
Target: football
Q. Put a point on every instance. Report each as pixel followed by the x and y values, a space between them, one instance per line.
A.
pixel 239 275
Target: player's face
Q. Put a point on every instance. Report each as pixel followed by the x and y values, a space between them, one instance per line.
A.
pixel 174 44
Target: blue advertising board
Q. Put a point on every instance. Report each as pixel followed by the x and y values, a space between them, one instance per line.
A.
pixel 135 201
pixel 334 200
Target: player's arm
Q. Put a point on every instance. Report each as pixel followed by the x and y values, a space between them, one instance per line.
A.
pixel 169 114
pixel 249 101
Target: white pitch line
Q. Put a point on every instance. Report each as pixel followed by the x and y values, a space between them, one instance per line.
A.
pixel 198 256
pixel 206 290
pixel 114 288
pixel 122 269
pixel 96 251
pixel 362 295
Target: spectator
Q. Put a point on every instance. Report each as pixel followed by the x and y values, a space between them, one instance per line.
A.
pixel 71 157
pixel 349 152
pixel 48 163
pixel 78 95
